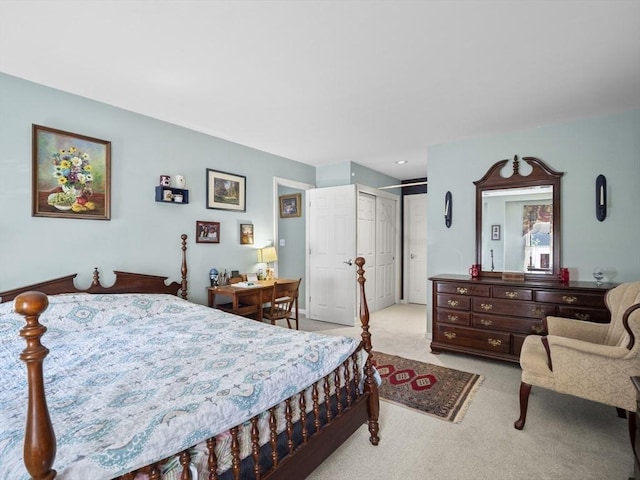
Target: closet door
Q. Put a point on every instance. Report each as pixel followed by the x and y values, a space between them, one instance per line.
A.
pixel 367 245
pixel 332 251
pixel 385 252
pixel 416 247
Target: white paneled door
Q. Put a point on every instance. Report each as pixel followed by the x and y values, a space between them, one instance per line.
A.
pixel 332 251
pixel 385 252
pixel 416 233
pixel 367 244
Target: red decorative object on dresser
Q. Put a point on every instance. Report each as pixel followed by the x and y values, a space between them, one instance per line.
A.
pixel 491 317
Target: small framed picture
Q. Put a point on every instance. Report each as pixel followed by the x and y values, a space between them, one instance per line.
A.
pixel 495 232
pixel 207 232
pixel 246 234
pixel 290 205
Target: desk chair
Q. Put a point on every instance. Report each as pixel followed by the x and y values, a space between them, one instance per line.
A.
pixel 283 297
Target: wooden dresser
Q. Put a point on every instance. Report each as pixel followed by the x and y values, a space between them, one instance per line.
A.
pixel 491 317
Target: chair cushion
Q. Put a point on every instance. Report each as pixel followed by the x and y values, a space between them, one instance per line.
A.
pixel 533 360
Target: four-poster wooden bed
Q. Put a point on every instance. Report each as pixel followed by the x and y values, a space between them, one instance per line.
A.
pixel 288 438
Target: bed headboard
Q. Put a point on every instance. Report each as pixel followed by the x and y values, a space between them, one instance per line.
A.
pixel 126 282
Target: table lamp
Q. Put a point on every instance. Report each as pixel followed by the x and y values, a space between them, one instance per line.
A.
pixel 268 255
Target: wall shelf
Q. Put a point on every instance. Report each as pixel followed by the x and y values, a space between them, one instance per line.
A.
pixel 174 191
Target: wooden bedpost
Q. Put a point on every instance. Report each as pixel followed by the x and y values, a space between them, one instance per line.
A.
pixel 39 438
pixel 369 384
pixel 183 269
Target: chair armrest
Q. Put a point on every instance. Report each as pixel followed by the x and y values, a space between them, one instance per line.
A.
pixel 562 345
pixel 577 329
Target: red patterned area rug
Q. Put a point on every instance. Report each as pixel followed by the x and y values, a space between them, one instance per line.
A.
pixel 437 391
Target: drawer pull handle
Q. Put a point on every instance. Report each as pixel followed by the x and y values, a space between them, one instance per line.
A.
pixel 450 335
pixel 486 306
pixel 569 299
pixel 537 328
pixel 582 316
pixel 462 290
pixel 494 342
pixel 452 318
pixel 537 310
pixel 511 295
pixel 486 323
pixel 453 303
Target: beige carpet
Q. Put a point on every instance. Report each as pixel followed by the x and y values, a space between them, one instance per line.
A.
pixel 564 439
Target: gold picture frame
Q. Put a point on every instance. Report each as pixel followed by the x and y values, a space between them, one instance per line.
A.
pixel 290 205
pixel 246 234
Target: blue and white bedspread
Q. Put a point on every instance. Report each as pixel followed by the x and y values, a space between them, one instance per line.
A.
pixel 131 379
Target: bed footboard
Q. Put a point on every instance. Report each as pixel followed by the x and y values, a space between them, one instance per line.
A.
pixel 308 427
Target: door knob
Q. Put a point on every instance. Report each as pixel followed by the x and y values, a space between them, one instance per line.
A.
pixel 413 256
pixel 349 262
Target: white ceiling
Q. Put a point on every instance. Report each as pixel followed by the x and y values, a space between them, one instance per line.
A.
pixel 325 82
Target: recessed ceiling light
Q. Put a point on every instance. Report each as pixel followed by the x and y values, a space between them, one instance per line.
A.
pixel 401 162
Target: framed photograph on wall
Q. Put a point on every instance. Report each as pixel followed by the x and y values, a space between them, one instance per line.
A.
pixel 246 234
pixel 290 205
pixel 495 232
pixel 71 175
pixel 226 191
pixel 207 232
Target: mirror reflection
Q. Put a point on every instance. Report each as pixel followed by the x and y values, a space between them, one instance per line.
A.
pixel 517 229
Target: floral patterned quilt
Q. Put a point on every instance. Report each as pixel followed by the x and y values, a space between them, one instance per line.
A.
pixel 132 378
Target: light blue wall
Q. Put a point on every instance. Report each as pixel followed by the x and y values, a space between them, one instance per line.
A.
pixel 291 256
pixel 143 235
pixel 583 149
pixel 349 173
pixel 333 175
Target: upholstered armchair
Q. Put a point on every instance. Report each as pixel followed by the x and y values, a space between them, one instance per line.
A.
pixel 588 360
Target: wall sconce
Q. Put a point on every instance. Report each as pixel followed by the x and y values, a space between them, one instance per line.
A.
pixel 448 207
pixel 601 197
pixel 268 255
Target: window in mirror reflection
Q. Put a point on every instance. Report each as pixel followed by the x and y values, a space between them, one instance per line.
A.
pixel 526 240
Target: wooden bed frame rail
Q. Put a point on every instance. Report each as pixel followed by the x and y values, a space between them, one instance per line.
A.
pixel 40 442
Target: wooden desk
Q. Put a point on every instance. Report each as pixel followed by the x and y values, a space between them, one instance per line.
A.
pixel 247 300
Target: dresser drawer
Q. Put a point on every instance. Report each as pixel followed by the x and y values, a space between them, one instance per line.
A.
pixel 453 317
pixel 517 341
pixel 509 293
pixel 507 324
pixel 570 298
pixel 508 307
pixel 456 302
pixel 585 314
pixel 464 289
pixel 468 337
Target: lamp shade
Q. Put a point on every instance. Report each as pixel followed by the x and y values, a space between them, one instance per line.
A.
pixel 267 255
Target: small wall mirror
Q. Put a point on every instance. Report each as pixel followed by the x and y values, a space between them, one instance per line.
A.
pixel 518 220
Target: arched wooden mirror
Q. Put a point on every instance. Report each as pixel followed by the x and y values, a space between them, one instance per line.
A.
pixel 518 219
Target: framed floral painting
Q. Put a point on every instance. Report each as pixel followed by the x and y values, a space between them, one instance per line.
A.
pixel 71 176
